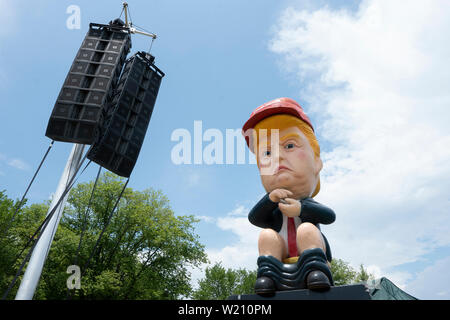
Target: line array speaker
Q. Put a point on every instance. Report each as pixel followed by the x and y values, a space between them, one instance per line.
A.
pixel 90 83
pixel 125 125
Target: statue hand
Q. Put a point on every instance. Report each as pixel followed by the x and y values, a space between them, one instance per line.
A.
pixel 290 207
pixel 278 194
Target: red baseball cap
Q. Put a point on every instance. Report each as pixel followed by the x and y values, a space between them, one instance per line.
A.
pixel 277 106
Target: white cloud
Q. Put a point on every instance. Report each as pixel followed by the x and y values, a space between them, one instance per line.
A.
pixel 376 83
pixel 240 210
pixel 7 16
pixel 14 162
pixel 433 282
pixel 207 219
pixel 241 253
pixel 8 19
pixel 18 164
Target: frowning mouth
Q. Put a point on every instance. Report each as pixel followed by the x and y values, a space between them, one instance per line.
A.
pixel 282 168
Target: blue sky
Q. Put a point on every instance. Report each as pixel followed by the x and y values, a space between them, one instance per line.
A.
pixel 371 84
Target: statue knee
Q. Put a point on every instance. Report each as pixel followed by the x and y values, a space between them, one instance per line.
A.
pixel 307 229
pixel 268 235
pixel 270 243
pixel 309 236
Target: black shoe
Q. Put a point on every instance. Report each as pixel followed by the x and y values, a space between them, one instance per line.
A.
pixel 317 280
pixel 264 286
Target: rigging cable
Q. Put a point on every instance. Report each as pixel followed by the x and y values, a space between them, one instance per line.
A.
pixel 50 214
pixel 83 230
pixel 151 45
pixel 61 208
pixel 22 201
pixel 104 228
pixel 145 30
pixel 121 12
pixel 40 230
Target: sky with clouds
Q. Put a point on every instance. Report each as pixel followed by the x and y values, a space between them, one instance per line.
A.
pixel 377 76
pixel 372 75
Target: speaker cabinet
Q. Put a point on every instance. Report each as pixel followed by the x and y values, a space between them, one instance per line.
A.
pixel 90 84
pixel 122 133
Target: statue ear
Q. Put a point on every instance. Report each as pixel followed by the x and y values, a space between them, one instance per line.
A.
pixel 318 165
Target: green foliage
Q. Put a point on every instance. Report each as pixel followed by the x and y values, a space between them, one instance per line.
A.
pixel 6 252
pixel 144 253
pixel 363 275
pixel 344 274
pixel 219 283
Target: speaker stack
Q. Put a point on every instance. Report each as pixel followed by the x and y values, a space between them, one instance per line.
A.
pixel 90 83
pixel 122 132
pixel 101 105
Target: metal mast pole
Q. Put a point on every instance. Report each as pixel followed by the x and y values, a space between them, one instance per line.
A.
pixel 34 270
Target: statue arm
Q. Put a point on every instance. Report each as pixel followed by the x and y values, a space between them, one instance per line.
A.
pixel 314 212
pixel 265 214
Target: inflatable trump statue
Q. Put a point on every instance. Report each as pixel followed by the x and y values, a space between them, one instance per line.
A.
pixel 293 252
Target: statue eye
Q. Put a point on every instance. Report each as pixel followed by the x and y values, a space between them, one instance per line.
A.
pixel 289 146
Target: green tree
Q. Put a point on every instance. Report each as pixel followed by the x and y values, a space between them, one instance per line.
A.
pixel 7 253
pixel 219 283
pixel 363 275
pixel 344 274
pixel 144 252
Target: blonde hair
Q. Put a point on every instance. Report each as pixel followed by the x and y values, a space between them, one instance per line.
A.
pixel 283 121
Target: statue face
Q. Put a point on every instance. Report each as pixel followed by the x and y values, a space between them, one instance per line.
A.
pixel 288 162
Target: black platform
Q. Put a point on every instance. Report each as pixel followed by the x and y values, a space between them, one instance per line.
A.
pixel 351 292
